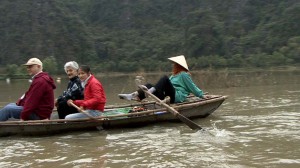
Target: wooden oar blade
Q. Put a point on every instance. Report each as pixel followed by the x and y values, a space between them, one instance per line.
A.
pixel 189 122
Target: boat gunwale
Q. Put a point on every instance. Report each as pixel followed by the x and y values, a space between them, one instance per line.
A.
pixel 178 106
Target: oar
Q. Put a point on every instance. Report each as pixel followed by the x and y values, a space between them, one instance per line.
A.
pixel 82 111
pixel 181 117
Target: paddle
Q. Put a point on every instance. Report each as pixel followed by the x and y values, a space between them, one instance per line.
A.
pixel 82 111
pixel 181 117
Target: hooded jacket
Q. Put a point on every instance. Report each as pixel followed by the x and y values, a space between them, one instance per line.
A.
pixel 39 98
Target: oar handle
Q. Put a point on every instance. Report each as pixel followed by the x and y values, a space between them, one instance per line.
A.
pixel 82 111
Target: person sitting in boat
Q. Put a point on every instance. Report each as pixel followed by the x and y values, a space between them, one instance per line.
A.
pixel 178 86
pixel 74 91
pixel 38 102
pixel 94 95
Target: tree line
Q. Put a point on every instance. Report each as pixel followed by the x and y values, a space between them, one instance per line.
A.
pixel 129 35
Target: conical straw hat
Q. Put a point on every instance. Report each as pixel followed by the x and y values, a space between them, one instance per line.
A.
pixel 180 60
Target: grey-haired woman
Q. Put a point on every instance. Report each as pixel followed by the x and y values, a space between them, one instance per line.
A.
pixel 74 91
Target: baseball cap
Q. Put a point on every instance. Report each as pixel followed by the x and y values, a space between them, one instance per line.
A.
pixel 34 61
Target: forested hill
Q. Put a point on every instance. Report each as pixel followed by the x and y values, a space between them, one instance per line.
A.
pixel 134 35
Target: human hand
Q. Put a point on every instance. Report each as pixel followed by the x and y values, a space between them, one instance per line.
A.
pixel 55 103
pixel 69 102
pixel 206 96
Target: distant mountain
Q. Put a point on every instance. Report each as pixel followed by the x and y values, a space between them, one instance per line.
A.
pixel 125 35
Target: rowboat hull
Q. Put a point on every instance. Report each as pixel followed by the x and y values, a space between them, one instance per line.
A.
pixel 155 113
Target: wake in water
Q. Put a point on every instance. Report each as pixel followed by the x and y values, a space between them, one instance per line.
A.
pixel 293 91
pixel 215 135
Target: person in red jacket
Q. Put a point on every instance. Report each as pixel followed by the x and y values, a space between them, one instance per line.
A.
pixel 38 102
pixel 94 95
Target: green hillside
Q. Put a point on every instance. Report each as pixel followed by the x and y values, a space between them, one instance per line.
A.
pixel 135 35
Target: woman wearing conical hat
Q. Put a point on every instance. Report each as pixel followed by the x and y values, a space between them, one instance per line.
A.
pixel 178 86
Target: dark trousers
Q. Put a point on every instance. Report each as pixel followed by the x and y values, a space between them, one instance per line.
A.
pixel 163 88
pixel 63 109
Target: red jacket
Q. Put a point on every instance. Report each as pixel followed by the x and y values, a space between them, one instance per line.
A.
pixel 94 95
pixel 39 98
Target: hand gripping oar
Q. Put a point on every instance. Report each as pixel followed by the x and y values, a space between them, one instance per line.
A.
pixel 82 111
pixel 181 117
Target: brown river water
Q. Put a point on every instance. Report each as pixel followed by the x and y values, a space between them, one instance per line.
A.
pixel 257 126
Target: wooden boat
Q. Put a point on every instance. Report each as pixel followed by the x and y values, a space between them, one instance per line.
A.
pixel 131 115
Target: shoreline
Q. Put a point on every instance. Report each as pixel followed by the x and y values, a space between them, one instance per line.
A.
pixel 143 73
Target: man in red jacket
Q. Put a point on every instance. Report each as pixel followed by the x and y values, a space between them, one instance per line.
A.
pixel 38 102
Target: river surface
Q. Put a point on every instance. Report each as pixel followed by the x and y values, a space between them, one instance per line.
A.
pixel 257 126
